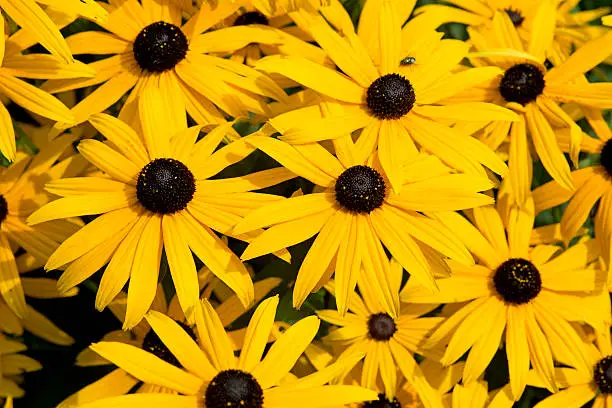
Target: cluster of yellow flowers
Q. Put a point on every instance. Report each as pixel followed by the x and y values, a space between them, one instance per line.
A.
pixel 400 161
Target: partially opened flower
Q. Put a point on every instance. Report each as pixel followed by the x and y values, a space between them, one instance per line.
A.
pixel 388 342
pixel 156 194
pixel 355 213
pixel 12 365
pixel 389 84
pixel 530 293
pixel 118 382
pixel 212 376
pixel 572 28
pixel 147 46
pixel 525 85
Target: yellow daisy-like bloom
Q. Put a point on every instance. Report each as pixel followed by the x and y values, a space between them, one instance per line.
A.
pixel 390 86
pixel 12 365
pixel 583 384
pixel 531 293
pixel 356 213
pixel 21 193
pixel 119 382
pixel 593 185
pixel 526 86
pixel 149 46
pixel 572 28
pixel 388 342
pixel 155 195
pixel 214 376
pixel 14 65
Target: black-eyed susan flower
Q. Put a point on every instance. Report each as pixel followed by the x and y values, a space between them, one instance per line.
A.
pixel 156 194
pixel 593 185
pixel 388 86
pixel 572 28
pixel 355 212
pixel 272 18
pixel 530 293
pixel 387 342
pixel 583 384
pixel 525 85
pixel 21 193
pixel 214 378
pixel 12 365
pixel 118 382
pixel 147 46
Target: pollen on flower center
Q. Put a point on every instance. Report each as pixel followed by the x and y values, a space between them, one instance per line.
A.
pixel 606 157
pixel 153 344
pixel 251 17
pixel 515 16
pixel 382 402
pixel 233 389
pixel 360 189
pixel 390 97
pixel 3 208
pixel 517 281
pixel 522 83
pixel 602 374
pixel 160 46
pixel 381 326
pixel 165 186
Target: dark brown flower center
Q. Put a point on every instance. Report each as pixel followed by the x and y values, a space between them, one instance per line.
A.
pixel 606 157
pixel 3 208
pixel 360 189
pixel 381 326
pixel 165 186
pixel 153 344
pixel 517 281
pixel 602 374
pixel 515 16
pixel 522 83
pixel 382 402
pixel 251 17
pixel 234 389
pixel 390 97
pixel 160 46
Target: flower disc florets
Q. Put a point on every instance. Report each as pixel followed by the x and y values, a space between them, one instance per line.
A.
pixel 381 326
pixel 234 389
pixel 360 189
pixel 382 402
pixel 165 186
pixel 602 375
pixel 251 17
pixel 390 97
pixel 515 16
pixel 517 281
pixel 522 83
pixel 160 46
pixel 606 157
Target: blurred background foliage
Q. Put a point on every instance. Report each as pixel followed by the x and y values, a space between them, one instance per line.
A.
pixel 60 377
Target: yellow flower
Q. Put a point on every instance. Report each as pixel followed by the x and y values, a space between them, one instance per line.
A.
pixel 583 384
pixel 118 382
pixel 531 293
pixel 389 86
pixel 572 29
pixel 21 193
pixel 388 342
pixel 149 46
pixel 525 85
pixel 12 365
pixel 593 185
pixel 213 375
pixel 354 214
pixel 155 195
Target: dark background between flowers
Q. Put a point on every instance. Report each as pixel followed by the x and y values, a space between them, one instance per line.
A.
pixel 60 377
